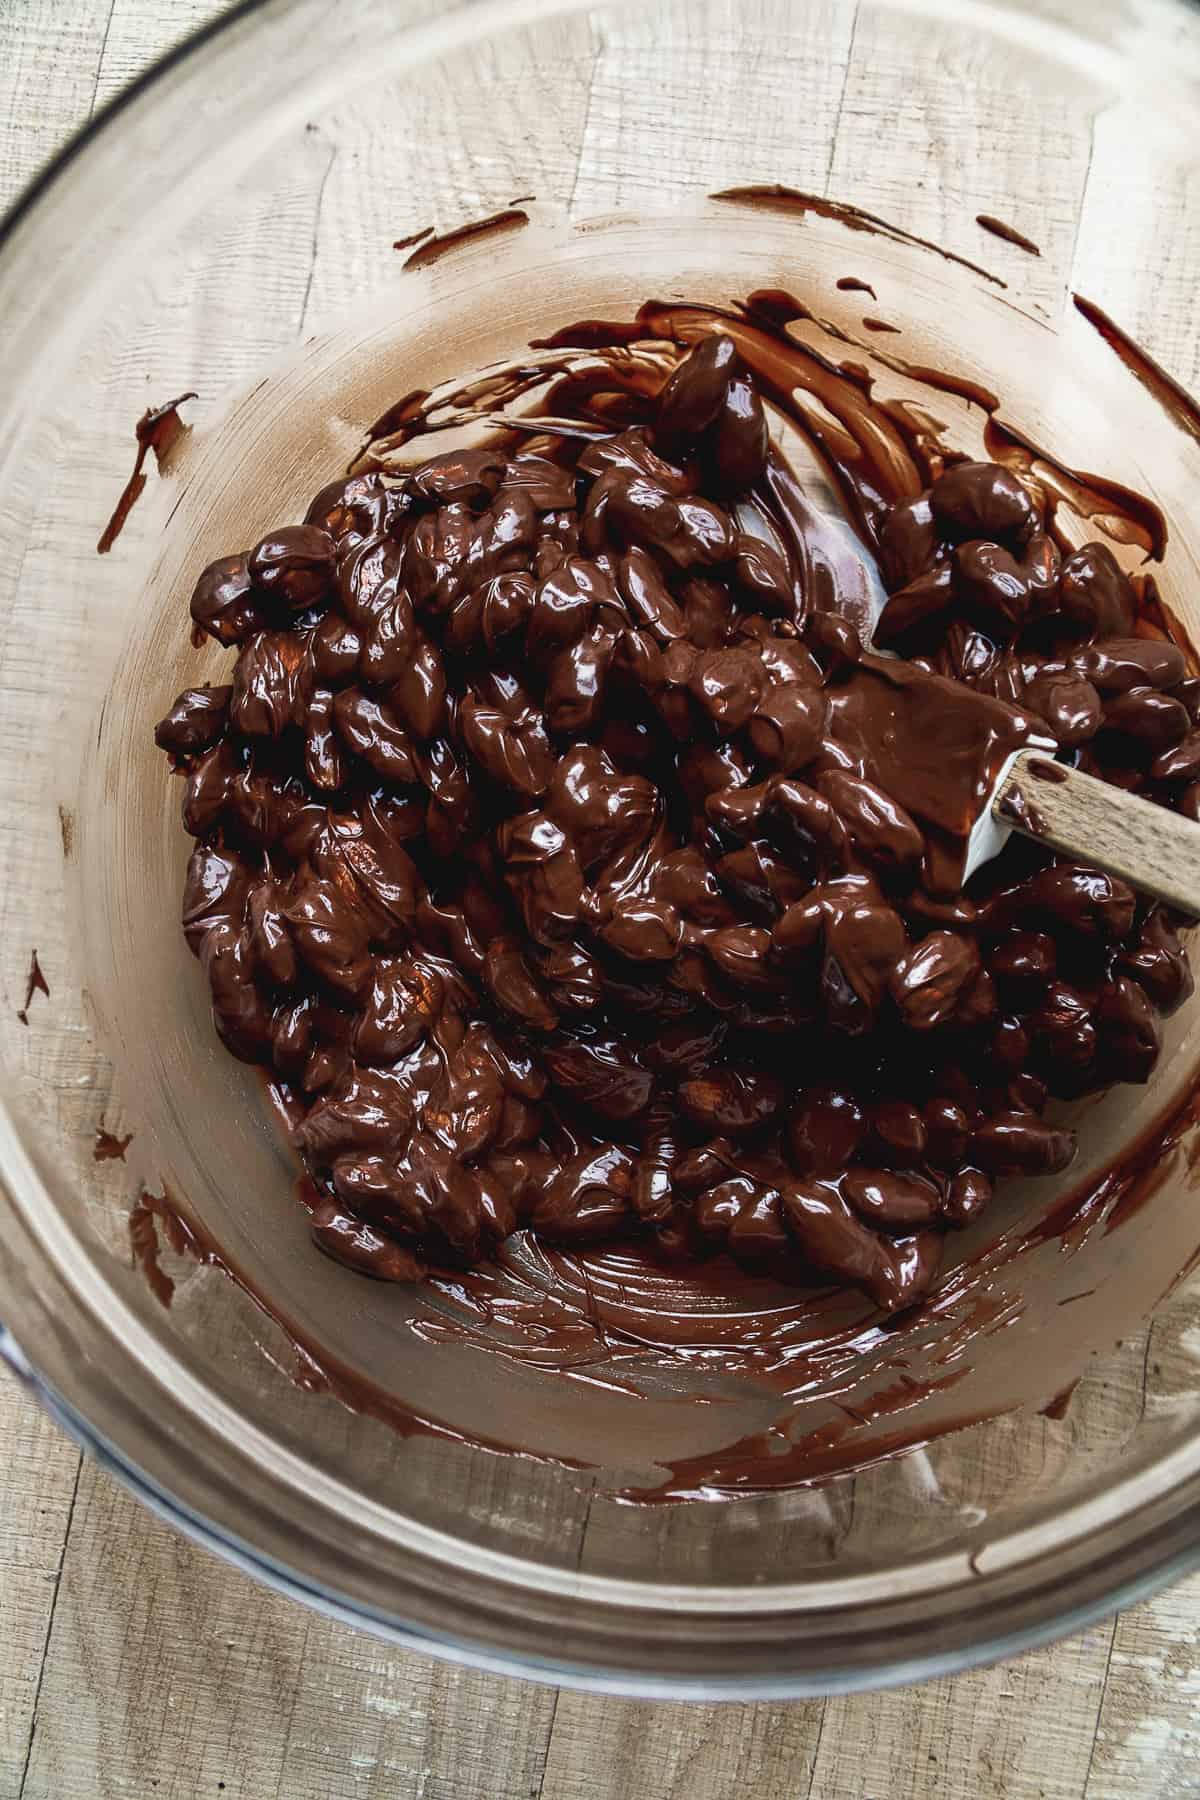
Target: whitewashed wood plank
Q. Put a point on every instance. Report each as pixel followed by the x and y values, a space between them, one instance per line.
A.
pixel 1139 238
pixel 932 154
pixel 623 1750
pixel 173 1675
pixel 381 185
pixel 692 138
pixel 139 32
pixel 49 62
pixel 50 54
pixel 1147 1739
pixel 1022 1731
pixel 38 1472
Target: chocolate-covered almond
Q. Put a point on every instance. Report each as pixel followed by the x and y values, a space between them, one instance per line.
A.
pixel 1062 1029
pixel 588 1198
pixel 468 476
pixel 348 1240
pixel 1158 962
pixel 825 1129
pixel 270 685
pixel 294 565
pixel 1115 665
pixel 878 825
pixel 739 436
pixel 1068 704
pixel 928 982
pixel 834 641
pixel 334 650
pixel 224 602
pixel 947 1131
pixel 909 543
pixel 691 399
pixel 389 644
pixel 833 1239
pixel 602 1074
pixel 195 722
pixel 763 574
pixel 900 1130
pixel 730 1100
pixel 1130 1037
pixel 967 1196
pixel 982 500
pixel 369 728
pixel 1069 897
pixel 890 1198
pixel 240 1011
pixel 1155 721
pixel 1019 1144
pixel 1096 593
pixel 1014 588
pixel 1178 762
pixel 647 595
pixel 324 760
pixel 330 934
pixel 1023 961
pixel 923 598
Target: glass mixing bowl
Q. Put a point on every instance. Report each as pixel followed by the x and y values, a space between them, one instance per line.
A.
pixel 241 225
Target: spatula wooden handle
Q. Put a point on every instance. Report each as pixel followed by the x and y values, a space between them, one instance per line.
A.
pixel 1154 850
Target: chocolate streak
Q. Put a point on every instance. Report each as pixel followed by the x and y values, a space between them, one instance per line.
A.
pixel 776 198
pixel 1174 399
pixel 1009 233
pixel 35 983
pixel 431 248
pixel 158 430
pixel 110 1148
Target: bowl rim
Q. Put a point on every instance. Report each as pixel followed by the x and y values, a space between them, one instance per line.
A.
pixel 642 1684
pixel 1168 1549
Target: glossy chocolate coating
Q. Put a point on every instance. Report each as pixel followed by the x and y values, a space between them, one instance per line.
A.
pixel 571 866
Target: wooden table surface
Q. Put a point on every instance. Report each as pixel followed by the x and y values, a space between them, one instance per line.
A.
pixel 133 1663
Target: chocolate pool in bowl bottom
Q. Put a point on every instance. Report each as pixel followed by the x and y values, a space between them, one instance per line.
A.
pixel 551 861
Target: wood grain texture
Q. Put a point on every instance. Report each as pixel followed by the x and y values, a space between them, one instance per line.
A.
pixel 49 71
pixel 1023 1728
pixel 171 1674
pixel 1147 1738
pixel 796 50
pixel 38 1476
pixel 956 143
pixel 131 1662
pixel 51 54
pixel 1142 209
pixel 626 1750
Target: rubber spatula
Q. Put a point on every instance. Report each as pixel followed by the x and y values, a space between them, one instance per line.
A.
pixel 1014 782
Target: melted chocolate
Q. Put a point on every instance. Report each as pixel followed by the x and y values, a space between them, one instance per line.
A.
pixel 1174 399
pixel 1009 233
pixel 430 248
pixel 158 430
pixel 35 983
pixel 553 809
pixel 776 198
pixel 559 1309
pixel 414 237
pixel 110 1148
